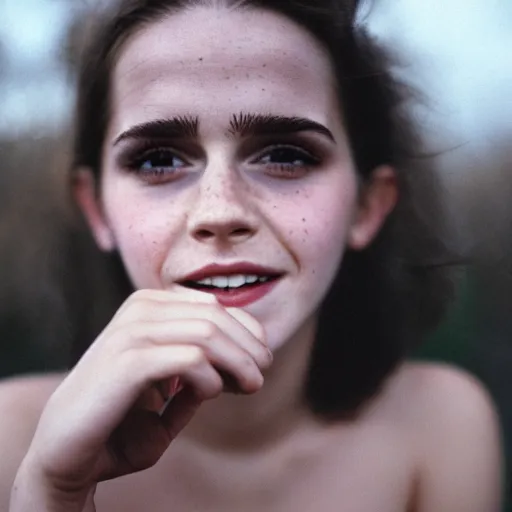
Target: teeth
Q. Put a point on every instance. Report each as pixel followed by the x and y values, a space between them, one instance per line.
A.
pixel 236 281
pixel 207 281
pixel 220 282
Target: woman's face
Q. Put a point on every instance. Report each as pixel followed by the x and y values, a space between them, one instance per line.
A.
pixel 226 146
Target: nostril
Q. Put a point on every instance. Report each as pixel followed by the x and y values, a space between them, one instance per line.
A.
pixel 204 233
pixel 226 232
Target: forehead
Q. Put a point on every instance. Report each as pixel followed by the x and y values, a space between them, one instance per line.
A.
pixel 219 60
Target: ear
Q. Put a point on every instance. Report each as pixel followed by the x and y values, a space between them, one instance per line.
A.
pixel 85 194
pixel 377 200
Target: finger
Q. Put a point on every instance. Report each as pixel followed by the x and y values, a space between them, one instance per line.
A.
pixel 165 297
pixel 221 351
pixel 153 398
pixel 140 369
pixel 249 322
pixel 106 399
pixel 240 331
pixel 186 361
pixel 182 293
pixel 136 444
pixel 180 411
pixel 170 387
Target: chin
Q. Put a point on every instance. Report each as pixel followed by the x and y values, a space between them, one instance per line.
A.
pixel 281 337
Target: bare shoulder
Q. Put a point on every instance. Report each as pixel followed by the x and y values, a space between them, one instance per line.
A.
pixel 22 400
pixel 455 430
pixel 438 400
pixel 443 389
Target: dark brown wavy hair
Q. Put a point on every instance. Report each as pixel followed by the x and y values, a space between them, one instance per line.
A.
pixel 384 298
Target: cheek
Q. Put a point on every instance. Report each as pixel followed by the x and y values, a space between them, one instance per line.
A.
pixel 143 232
pixel 319 222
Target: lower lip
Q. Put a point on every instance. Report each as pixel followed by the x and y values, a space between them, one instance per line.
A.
pixel 242 297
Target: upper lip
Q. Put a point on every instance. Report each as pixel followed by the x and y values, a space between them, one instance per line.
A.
pixel 243 268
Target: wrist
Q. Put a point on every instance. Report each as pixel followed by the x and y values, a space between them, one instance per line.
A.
pixel 31 492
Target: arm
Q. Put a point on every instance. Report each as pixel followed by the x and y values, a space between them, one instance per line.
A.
pixel 462 463
pixel 30 494
pixel 107 417
pixel 21 403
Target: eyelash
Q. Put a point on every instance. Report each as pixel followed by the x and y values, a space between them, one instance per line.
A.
pixel 134 161
pixel 300 162
pixel 288 169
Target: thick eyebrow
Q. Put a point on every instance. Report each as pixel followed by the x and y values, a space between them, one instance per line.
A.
pixel 245 124
pixel 175 128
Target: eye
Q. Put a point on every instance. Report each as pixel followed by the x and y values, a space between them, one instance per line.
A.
pixel 157 165
pixel 286 161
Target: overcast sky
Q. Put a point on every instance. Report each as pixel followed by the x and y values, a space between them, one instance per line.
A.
pixel 457 51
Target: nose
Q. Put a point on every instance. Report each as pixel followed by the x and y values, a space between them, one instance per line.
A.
pixel 222 212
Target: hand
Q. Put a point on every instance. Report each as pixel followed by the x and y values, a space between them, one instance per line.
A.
pixel 106 419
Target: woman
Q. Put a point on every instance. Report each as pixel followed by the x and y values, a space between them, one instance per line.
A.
pixel 243 160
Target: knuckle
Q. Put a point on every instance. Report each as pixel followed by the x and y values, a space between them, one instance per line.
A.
pixel 137 301
pixel 249 375
pixel 142 300
pixel 265 359
pixel 256 383
pixel 213 310
pixel 208 329
pixel 246 363
pixel 195 356
pixel 216 387
pixel 209 299
pixel 128 335
pixel 250 384
pixel 129 309
pixel 139 295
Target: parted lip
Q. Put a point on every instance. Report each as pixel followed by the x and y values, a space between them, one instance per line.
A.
pixel 242 268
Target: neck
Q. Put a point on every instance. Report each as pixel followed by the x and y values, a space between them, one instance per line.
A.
pixel 244 423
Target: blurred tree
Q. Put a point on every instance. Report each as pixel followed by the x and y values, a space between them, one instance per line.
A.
pixel 49 266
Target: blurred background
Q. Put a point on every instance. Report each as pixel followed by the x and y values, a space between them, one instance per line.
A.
pixel 456 53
